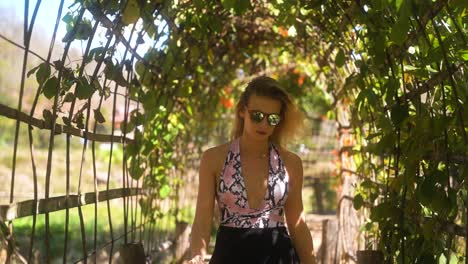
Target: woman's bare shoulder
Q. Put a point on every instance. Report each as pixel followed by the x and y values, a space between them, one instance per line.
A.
pixel 214 157
pixel 216 151
pixel 290 159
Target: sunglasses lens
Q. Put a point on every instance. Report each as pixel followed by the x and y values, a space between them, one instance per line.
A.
pixel 256 116
pixel 274 119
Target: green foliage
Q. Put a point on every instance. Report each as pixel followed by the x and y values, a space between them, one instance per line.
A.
pixel 340 58
pixel 77 29
pixel 238 6
pixel 98 116
pixel 42 72
pixel 51 87
pixel 131 12
pixel 84 90
pixel 401 62
pixel 410 134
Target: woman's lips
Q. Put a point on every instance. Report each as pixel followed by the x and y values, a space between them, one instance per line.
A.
pixel 261 132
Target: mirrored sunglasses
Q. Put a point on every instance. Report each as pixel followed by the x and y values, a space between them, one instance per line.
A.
pixel 257 117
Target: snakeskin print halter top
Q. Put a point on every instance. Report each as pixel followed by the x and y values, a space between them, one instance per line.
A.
pixel 231 193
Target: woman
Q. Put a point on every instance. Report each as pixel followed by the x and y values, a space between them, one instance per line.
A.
pixel 257 184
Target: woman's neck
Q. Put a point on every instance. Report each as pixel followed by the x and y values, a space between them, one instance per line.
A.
pixel 253 146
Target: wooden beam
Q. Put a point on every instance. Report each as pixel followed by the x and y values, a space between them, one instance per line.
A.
pixel 41 206
pixel 39 123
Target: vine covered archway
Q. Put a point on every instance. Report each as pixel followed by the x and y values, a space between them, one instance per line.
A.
pixel 391 73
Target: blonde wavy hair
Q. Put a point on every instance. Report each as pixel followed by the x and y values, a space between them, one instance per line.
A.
pixel 292 119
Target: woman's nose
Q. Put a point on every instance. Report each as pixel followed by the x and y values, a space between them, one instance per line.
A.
pixel 264 123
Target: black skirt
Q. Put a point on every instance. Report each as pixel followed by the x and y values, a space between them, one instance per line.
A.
pixel 253 246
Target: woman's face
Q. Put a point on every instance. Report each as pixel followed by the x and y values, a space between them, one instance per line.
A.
pixel 266 105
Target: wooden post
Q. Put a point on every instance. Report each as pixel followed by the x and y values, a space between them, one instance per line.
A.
pixel 182 242
pixel 329 251
pixel 319 195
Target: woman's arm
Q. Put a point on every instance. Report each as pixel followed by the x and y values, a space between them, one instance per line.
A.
pixel 201 228
pixel 294 210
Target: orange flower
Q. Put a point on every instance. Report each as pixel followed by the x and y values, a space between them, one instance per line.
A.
pixel 282 31
pixel 348 141
pixel 227 90
pixel 227 102
pixel 300 80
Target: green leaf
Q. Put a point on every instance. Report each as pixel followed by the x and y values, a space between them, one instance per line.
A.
pixel 97 54
pixel 398 4
pixel 67 84
pixel 376 213
pixel 127 127
pixel 410 68
pixel 79 120
pixel 189 110
pixel 137 118
pixel 33 70
pixel 152 30
pixel 340 58
pixel 114 73
pixel 459 3
pixel 228 4
pixel 400 30
pixel 215 24
pixel 379 49
pixel 440 202
pixel 43 73
pixel 184 91
pixel 47 115
pixel 164 191
pixel 463 54
pixel 241 6
pixel 378 4
pixel 210 56
pixel 68 18
pixel 98 116
pixel 135 170
pixel 428 229
pixel 66 120
pixel 145 208
pixel 51 87
pixel 426 189
pixel 84 30
pixel 69 97
pixel 398 114
pixel 453 259
pixel 84 89
pixel 358 201
pixel 131 13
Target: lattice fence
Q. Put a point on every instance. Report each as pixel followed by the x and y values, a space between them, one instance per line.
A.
pixel 69 196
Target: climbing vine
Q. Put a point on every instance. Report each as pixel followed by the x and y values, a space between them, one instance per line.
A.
pixel 402 64
pixel 409 91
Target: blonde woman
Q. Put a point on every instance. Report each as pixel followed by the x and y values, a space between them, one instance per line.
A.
pixel 257 184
